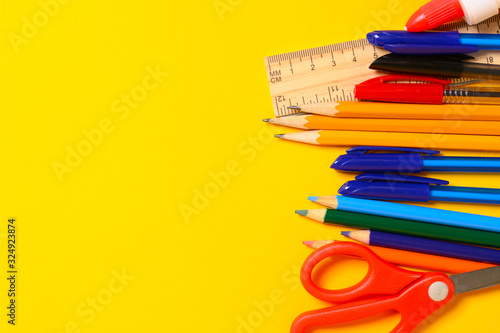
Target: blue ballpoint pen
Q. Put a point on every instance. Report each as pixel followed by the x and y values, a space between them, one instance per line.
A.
pixel 412 188
pixel 410 160
pixel 433 43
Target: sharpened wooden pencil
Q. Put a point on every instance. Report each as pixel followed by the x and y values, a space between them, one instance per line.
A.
pixel 315 122
pixel 410 212
pixel 398 111
pixel 403 226
pixel 425 245
pixel 416 260
pixel 388 139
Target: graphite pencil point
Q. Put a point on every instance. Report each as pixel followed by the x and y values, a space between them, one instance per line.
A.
pixel 302 212
pixel 278 135
pixel 293 107
pixel 266 120
pixel 345 233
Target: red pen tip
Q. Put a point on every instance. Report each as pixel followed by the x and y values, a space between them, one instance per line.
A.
pixel 434 14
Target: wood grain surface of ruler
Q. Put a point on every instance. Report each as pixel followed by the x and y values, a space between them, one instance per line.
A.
pixel 329 73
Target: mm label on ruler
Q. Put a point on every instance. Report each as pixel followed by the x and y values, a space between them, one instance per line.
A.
pixel 329 73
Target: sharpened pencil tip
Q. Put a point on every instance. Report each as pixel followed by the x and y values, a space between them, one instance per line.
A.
pixel 266 120
pixel 313 198
pixel 278 135
pixel 345 233
pixel 302 212
pixel 293 107
pixel 308 243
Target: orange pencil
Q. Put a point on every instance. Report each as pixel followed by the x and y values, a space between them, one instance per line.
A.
pixel 416 260
pixel 316 122
pixel 402 111
pixel 389 139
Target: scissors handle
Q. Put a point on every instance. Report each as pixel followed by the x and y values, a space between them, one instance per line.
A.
pixel 413 303
pixel 382 278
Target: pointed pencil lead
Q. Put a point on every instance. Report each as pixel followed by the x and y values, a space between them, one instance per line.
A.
pixel 308 243
pixel 266 120
pixel 345 233
pixel 278 135
pixel 293 107
pixel 302 212
pixel 313 198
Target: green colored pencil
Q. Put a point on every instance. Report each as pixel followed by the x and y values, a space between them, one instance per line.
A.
pixel 404 227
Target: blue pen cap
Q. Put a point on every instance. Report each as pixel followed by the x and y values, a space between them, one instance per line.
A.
pixel 357 159
pixel 393 37
pixel 397 163
pixel 390 187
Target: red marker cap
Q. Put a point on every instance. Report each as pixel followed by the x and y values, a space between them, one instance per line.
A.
pixel 377 89
pixel 434 14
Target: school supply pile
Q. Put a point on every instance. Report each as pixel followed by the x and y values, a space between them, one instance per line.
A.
pixel 387 97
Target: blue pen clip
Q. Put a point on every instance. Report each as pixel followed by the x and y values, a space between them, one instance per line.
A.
pixel 430 49
pixel 390 177
pixel 364 149
pixel 397 160
pixel 390 187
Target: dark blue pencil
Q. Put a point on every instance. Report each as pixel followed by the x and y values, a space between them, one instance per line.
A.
pixel 425 245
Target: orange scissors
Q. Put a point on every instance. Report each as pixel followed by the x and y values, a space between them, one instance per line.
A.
pixel 415 295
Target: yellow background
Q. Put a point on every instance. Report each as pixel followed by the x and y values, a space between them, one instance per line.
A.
pixel 230 263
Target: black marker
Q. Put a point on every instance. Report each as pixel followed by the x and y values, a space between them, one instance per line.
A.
pixel 444 65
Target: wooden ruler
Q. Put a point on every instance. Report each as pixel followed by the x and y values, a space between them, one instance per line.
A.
pixel 329 73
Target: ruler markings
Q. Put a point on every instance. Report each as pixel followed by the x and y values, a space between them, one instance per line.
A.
pixel 293 80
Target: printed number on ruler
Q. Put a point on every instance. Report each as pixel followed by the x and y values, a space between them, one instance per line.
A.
pixel 329 73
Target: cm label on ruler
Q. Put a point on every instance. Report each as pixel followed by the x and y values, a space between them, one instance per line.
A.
pixel 329 73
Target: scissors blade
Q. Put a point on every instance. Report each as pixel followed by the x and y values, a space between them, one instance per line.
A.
pixel 475 280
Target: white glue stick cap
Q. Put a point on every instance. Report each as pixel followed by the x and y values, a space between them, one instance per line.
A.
pixel 476 11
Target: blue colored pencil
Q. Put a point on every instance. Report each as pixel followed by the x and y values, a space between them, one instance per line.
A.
pixel 410 212
pixel 425 245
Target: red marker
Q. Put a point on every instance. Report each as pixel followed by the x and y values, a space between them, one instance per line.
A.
pixel 433 91
pixel 438 12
